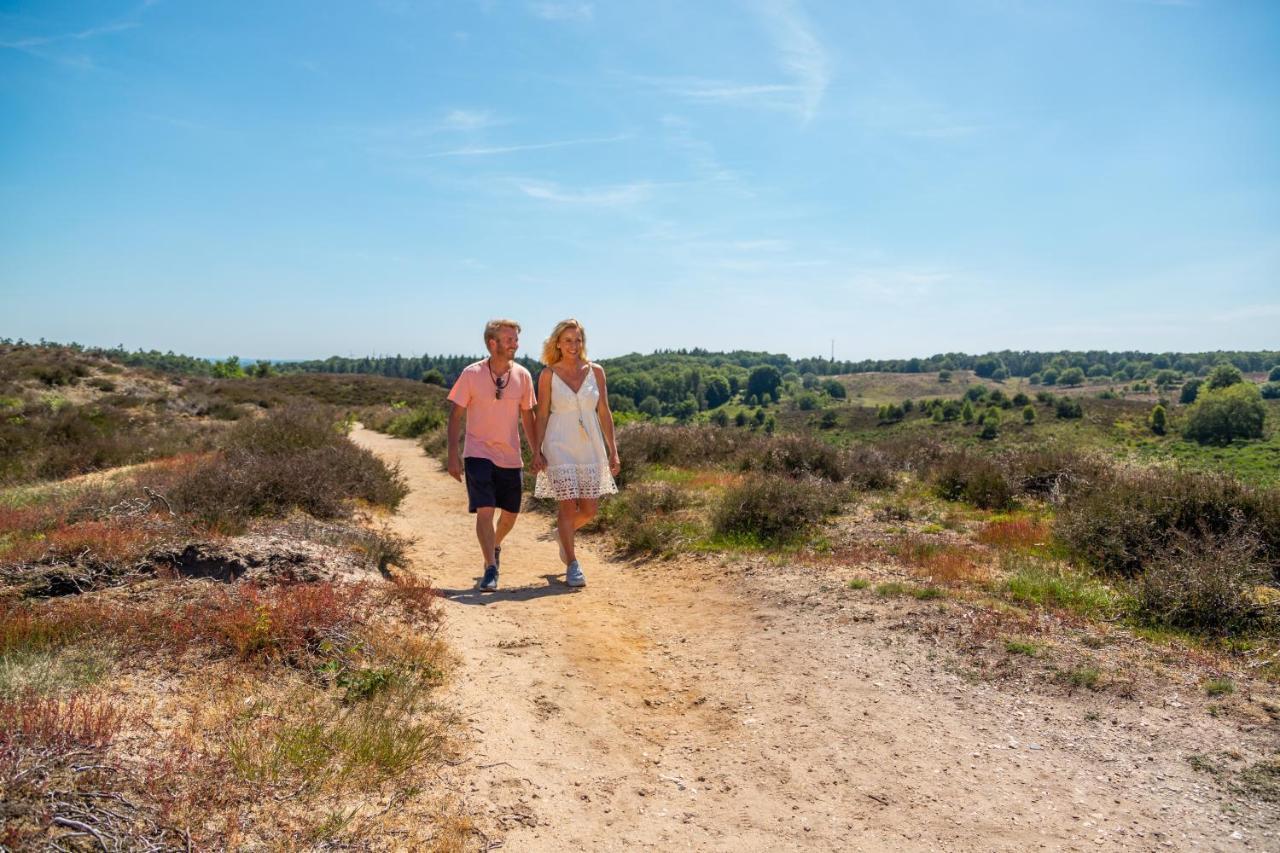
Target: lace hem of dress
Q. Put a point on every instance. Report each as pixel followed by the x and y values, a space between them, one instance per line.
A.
pixel 567 482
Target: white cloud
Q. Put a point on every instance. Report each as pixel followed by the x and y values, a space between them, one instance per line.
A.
pixel 468 120
pixel 622 195
pixel 798 53
pixel 480 150
pixel 563 11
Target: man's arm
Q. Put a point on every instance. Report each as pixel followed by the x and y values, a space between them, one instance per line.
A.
pixel 531 436
pixel 455 434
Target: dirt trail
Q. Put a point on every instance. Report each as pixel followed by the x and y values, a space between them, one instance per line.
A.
pixel 678 706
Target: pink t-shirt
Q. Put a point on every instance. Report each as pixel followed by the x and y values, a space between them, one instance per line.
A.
pixel 492 424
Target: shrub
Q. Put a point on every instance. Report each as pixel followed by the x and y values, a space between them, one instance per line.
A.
pixel 1157 420
pixel 834 389
pixel 295 457
pixel 1206 583
pixel 773 508
pixel 416 422
pixel 1223 376
pixel 640 518
pixel 1122 522
pixel 1053 472
pixel 1068 408
pixel 1028 414
pixel 1274 375
pixel 1221 416
pixel 1071 376
pixel 797 455
pixel 1271 391
pixel 1190 390
pixel 807 402
pixel 944 376
pixel 976 479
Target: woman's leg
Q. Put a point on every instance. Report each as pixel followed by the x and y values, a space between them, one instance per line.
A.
pixel 566 518
pixel 586 511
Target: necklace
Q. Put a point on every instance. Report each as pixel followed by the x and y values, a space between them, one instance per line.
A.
pixel 498 384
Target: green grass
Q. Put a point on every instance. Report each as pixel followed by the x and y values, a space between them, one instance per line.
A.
pixel 1056 586
pixel 927 593
pixel 1219 687
pixel 1083 676
pixel 49 671
pixel 1022 647
pixel 859 583
pixel 892 588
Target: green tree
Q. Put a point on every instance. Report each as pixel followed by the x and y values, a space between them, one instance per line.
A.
pixel 1221 416
pixel 990 425
pixel 944 376
pixel 720 418
pixel 685 410
pixel 764 381
pixel 434 377
pixel 229 369
pixel 1274 375
pixel 650 406
pixel 1157 420
pixel 807 402
pixel 717 392
pixel 1071 376
pixel 1028 414
pixel 1271 391
pixel 740 419
pixel 835 390
pixel 1068 408
pixel 759 417
pixel 1223 376
pixel 966 413
pixel 1190 390
pixel 262 369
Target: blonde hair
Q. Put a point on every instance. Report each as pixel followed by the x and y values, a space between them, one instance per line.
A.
pixel 491 329
pixel 550 348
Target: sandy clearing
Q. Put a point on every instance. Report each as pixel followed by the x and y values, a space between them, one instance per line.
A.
pixel 692 706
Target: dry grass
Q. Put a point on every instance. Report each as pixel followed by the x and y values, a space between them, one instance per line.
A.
pixel 939 562
pixel 1013 533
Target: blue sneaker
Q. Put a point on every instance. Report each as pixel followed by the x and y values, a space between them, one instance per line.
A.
pixel 490 581
pixel 574 576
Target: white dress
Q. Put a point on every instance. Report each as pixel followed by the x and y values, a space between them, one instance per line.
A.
pixel 577 462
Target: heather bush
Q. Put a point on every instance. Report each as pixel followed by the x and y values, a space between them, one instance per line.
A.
pixel 773 508
pixel 1122 523
pixel 972 478
pixel 1206 583
pixel 294 458
pixel 640 519
pixel 1052 472
pixel 796 455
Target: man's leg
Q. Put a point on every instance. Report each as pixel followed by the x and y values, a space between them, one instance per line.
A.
pixel 485 533
pixel 506 521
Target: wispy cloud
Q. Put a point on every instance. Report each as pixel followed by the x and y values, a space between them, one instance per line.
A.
pixel 799 54
pixel 37 45
pixel 620 195
pixel 563 11
pixel 468 120
pixel 482 151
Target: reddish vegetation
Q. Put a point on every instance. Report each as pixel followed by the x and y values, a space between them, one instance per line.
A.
pixel 1015 533
pixel 417 596
pixel 939 562
pixel 36 723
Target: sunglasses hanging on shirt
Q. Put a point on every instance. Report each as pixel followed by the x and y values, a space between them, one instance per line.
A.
pixel 499 384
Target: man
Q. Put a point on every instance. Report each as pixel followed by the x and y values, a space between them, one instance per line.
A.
pixel 497 395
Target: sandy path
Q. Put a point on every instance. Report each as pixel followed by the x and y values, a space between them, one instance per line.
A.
pixel 670 707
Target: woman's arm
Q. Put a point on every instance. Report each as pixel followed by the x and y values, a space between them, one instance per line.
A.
pixel 606 421
pixel 542 411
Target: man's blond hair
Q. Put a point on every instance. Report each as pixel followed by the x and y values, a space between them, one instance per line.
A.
pixel 491 329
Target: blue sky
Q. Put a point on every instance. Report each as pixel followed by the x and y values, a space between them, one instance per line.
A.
pixel 298 179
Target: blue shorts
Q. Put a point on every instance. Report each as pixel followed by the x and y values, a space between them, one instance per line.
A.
pixel 490 485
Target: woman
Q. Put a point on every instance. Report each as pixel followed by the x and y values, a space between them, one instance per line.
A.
pixel 574 446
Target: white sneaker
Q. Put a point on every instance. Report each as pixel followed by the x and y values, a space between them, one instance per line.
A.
pixel 574 576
